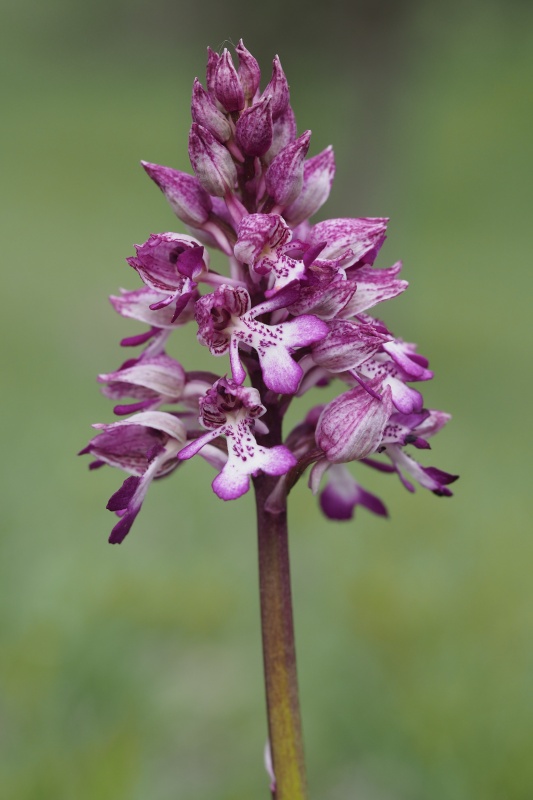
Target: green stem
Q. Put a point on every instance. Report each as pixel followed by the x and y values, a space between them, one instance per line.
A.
pixel 279 655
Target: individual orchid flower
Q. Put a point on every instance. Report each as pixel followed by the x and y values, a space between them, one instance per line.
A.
pixel 171 264
pixel 226 321
pixel 230 410
pixel 144 445
pixel 264 243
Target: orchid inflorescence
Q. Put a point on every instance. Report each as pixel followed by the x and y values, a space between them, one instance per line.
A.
pixel 291 315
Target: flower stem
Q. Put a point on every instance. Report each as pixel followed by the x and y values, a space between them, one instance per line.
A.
pixel 279 655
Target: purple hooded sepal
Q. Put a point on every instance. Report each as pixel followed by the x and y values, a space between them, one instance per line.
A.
pixel 230 410
pixel 351 426
pixel 167 260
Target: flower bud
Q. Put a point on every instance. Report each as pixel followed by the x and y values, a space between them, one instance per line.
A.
pixel 187 198
pixel 211 162
pixel 228 89
pixel 212 61
pixel 278 88
pixel 283 132
pixel 254 128
pixel 205 113
pixel 351 426
pixel 284 177
pixel 319 172
pixel 249 72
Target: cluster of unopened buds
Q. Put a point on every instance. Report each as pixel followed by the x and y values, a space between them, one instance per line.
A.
pixel 292 315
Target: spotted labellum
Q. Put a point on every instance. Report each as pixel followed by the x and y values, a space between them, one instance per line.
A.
pixel 290 316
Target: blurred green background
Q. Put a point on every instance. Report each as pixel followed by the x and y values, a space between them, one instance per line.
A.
pixel 134 672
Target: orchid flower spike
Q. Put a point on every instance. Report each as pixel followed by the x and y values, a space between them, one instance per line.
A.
pixel 290 315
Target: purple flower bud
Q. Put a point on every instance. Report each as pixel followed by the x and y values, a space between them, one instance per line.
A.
pixel 205 113
pixel 319 172
pixel 249 72
pixel 212 61
pixel 187 198
pixel 254 128
pixel 351 426
pixel 211 162
pixel 228 89
pixel 284 177
pixel 283 132
pixel 278 89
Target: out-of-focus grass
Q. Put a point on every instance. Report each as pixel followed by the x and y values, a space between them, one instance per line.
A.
pixel 135 672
